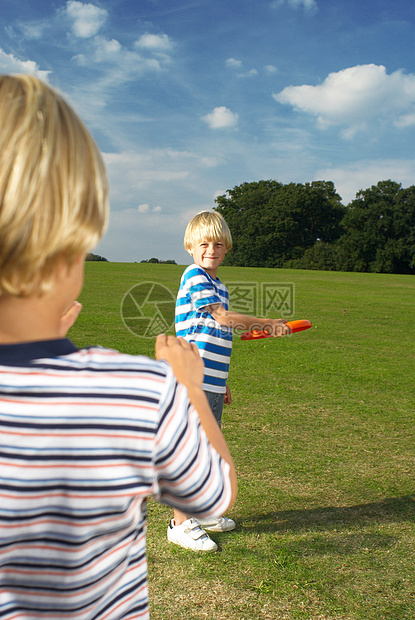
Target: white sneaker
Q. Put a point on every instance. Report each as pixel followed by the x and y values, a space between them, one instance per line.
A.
pixel 221 524
pixel 190 535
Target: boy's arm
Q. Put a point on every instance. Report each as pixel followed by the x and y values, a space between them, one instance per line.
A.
pixel 188 368
pixel 228 397
pixel 236 320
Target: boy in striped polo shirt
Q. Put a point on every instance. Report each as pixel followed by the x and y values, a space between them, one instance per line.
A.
pixel 203 317
pixel 86 435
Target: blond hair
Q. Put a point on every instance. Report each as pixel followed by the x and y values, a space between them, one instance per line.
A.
pixel 53 186
pixel 207 226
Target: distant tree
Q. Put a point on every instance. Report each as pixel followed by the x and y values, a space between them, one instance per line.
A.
pixel 272 223
pixel 379 231
pixel 156 260
pixel 95 257
pixel 322 256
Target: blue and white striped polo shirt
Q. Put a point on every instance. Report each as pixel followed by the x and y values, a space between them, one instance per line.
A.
pixel 198 290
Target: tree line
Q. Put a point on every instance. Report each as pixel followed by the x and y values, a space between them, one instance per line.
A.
pixel 306 226
pixel 95 257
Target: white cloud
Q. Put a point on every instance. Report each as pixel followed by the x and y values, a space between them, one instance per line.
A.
pixel 11 64
pixel 219 192
pixel 153 195
pixel 234 63
pixel 32 30
pixel 221 118
pixel 248 74
pixel 407 120
pixel 131 172
pixel 128 63
pixel 107 49
pixel 309 5
pixel 271 69
pixel 354 96
pixel 134 174
pixel 157 46
pixel 361 175
pixel 155 42
pixel 145 208
pixel 120 64
pixel 143 235
pixel 87 18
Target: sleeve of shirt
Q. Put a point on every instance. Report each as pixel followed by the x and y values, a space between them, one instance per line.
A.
pixel 201 289
pixel 189 474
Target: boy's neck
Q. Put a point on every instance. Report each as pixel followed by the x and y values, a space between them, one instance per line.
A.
pixel 27 320
pixel 39 317
pixel 211 272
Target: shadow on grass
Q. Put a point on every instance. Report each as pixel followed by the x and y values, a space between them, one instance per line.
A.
pixel 393 510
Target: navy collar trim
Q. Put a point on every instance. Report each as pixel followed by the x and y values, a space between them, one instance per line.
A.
pixel 24 352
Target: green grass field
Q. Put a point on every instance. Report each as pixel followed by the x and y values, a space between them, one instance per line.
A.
pixel 321 429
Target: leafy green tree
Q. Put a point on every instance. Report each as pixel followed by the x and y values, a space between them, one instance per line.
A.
pixel 379 231
pixel 272 223
pixel 95 257
pixel 322 257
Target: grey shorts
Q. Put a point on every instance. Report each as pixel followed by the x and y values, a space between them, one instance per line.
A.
pixel 216 404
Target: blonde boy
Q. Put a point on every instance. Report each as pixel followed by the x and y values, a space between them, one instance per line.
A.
pixel 86 434
pixel 204 319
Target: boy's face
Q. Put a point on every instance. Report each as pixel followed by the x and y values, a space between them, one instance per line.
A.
pixel 209 255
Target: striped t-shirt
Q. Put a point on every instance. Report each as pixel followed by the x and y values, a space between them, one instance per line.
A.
pixel 198 290
pixel 85 437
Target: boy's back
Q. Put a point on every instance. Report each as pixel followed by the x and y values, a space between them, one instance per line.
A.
pixel 86 437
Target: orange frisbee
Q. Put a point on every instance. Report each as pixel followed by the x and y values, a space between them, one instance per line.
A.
pixel 294 326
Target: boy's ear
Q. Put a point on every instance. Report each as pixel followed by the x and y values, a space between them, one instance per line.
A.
pixel 190 250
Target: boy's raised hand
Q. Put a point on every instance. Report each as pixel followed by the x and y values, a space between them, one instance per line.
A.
pixel 183 357
pixel 188 368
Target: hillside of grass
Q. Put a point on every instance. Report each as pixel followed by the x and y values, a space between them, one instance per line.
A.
pixel 321 428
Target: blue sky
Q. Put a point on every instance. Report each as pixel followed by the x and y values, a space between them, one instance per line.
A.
pixel 188 98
